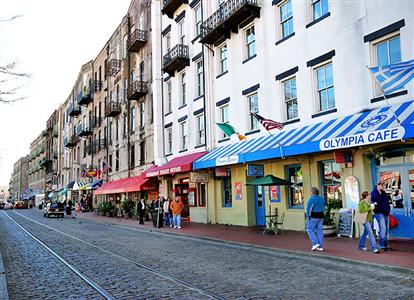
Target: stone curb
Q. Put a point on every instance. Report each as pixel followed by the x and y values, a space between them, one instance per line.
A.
pixel 271 250
pixel 3 283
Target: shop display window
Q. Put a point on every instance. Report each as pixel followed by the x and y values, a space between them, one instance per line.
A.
pixel 331 181
pixel 226 187
pixel 295 191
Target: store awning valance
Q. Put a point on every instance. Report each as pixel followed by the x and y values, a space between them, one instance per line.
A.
pixel 96 184
pixel 368 127
pixel 78 185
pixel 176 165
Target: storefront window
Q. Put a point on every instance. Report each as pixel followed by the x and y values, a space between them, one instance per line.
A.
pixel 391 157
pixel 295 191
pixel 226 186
pixel 201 194
pixel 331 181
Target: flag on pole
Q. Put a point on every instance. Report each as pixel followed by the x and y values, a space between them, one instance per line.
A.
pixel 105 167
pixel 230 130
pixel 267 123
pixel 394 77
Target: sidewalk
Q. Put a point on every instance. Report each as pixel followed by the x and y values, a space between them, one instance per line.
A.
pixel 3 283
pixel 344 247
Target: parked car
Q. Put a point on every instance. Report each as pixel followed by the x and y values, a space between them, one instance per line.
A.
pixel 20 204
pixel 53 208
pixel 6 205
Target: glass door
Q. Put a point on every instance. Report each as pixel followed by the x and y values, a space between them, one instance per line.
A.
pixel 260 206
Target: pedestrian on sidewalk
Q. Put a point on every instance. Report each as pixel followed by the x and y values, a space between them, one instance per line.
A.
pixel 381 214
pixel 177 207
pixel 166 206
pixel 365 215
pixel 141 211
pixel 314 212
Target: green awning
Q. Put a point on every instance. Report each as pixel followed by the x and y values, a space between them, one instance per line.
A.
pixel 268 180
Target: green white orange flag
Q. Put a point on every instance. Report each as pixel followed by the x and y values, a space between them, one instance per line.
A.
pixel 230 130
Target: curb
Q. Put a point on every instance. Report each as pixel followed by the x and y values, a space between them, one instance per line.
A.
pixel 3 283
pixel 272 250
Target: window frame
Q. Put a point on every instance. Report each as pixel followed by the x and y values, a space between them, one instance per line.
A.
pixel 142 115
pixel 288 190
pixel 253 123
pixel 199 78
pixel 200 137
pixel 318 104
pixel 169 96
pixel 183 135
pixel 249 55
pixel 321 165
pixel 223 61
pixel 281 34
pixel 181 33
pixel 183 85
pixel 223 110
pixel 285 107
pixel 132 120
pixel 198 20
pixel 313 3
pixel 226 187
pixel 168 144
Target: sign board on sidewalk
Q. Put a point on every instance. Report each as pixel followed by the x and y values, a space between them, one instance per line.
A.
pixel 345 222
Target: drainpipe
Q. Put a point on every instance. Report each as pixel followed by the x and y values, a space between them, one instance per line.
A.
pixel 128 104
pixel 107 119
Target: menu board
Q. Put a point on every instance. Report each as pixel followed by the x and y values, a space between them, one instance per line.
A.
pixel 345 222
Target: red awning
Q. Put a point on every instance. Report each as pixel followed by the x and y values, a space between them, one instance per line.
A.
pixel 126 185
pixel 177 165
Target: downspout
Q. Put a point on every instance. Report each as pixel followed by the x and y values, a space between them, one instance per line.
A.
pixel 107 118
pixel 128 104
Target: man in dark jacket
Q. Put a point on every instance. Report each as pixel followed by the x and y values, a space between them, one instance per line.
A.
pixel 381 213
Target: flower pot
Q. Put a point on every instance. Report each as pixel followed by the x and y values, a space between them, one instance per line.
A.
pixel 329 230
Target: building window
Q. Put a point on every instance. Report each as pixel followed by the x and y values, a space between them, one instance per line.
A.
pixel 183 135
pixel 250 42
pixel 320 8
pixel 331 181
pixel 291 101
pixel 110 162
pixel 198 21
pixel 142 117
pixel 167 43
pixel 117 160
pixel 201 194
pixel 124 127
pixel 142 153
pixel 132 162
pixel 168 144
pixel 132 129
pixel 124 96
pixel 226 187
pixel 169 97
pixel 183 101
pixel 200 78
pixel 116 129
pixel 253 102
pixel 141 71
pixel 224 118
pixel 325 87
pixel 84 149
pixel 181 32
pixel 286 18
pixel 294 191
pixel 124 48
pixel 388 51
pixel 223 59
pixel 200 129
pixel 110 133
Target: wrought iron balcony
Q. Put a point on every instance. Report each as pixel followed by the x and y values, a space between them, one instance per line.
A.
pixel 95 122
pixel 170 6
pixel 98 86
pixel 176 59
pixel 86 96
pixel 74 111
pixel 70 141
pixel 137 89
pixel 227 19
pixel 112 109
pixel 136 40
pixel 112 67
pixel 44 162
pixel 83 130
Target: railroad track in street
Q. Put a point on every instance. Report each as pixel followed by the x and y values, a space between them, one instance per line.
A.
pixel 88 279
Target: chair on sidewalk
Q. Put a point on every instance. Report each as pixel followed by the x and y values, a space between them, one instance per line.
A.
pixel 279 224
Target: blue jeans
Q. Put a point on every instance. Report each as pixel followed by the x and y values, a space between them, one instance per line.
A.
pixel 167 219
pixel 368 232
pixel 315 231
pixel 383 223
pixel 177 220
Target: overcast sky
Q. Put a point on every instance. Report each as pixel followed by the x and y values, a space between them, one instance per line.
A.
pixel 51 40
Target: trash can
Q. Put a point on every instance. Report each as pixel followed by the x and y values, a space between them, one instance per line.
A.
pixel 154 213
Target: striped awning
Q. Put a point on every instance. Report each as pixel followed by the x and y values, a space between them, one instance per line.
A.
pixel 78 185
pixel 368 127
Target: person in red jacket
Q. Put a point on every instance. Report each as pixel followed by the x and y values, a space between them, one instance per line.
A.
pixel 177 207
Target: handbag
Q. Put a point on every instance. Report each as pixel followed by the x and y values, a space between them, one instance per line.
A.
pixel 360 217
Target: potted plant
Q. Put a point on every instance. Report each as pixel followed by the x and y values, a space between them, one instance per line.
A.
pixel 102 208
pixel 127 207
pixel 329 226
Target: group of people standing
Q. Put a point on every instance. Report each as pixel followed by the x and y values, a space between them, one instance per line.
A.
pixel 171 210
pixel 371 206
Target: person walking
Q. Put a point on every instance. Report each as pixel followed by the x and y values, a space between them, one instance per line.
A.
pixel 177 207
pixel 314 212
pixel 381 214
pixel 141 211
pixel 365 213
pixel 166 206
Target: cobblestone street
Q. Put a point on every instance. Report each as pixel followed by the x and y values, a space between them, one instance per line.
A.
pixel 134 264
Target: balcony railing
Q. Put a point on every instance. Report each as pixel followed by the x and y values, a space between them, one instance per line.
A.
pixel 83 130
pixel 113 66
pixel 74 110
pixel 227 19
pixel 70 141
pixel 86 96
pixel 98 86
pixel 137 89
pixel 170 6
pixel 176 59
pixel 136 40
pixel 112 109
pixel 95 122
pixel 44 162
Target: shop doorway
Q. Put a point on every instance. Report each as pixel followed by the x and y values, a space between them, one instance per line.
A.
pixel 259 193
pixel 182 191
pixel 399 186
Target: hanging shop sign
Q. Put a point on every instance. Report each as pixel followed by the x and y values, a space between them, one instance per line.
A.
pixel 198 177
pixel 366 138
pixel 238 189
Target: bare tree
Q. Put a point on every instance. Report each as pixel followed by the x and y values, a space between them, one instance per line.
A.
pixel 10 82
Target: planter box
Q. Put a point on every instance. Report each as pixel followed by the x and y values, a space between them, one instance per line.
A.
pixel 329 230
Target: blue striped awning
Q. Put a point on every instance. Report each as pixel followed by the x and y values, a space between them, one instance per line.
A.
pixel 368 127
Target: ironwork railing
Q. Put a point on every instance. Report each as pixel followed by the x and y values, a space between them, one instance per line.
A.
pixel 137 35
pixel 113 66
pixel 225 10
pixel 138 87
pixel 178 51
pixel 112 107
